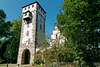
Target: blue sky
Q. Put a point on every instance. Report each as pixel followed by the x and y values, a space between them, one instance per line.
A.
pixel 13 9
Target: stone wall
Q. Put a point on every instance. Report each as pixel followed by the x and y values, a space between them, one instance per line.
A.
pixel 70 64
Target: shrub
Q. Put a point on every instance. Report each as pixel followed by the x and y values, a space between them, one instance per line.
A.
pixel 79 63
pixel 1 60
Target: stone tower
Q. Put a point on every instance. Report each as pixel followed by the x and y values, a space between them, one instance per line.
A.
pixel 33 21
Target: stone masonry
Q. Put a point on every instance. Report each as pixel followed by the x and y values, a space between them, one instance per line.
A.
pixel 33 16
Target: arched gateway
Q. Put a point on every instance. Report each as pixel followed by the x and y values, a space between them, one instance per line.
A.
pixel 25 57
pixel 33 22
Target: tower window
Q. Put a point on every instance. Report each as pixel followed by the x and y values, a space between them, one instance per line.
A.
pixel 27 34
pixel 56 36
pixel 25 14
pixel 40 26
pixel 29 21
pixel 32 5
pixel 25 8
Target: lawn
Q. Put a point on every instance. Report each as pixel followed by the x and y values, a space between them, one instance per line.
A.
pixel 2 65
pixel 12 65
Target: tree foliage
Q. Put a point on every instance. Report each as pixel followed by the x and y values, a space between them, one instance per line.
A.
pixel 13 41
pixel 4 26
pixel 79 23
pixel 4 32
pixel 53 53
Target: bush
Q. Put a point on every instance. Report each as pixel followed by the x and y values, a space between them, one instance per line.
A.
pixel 1 60
pixel 38 61
pixel 79 63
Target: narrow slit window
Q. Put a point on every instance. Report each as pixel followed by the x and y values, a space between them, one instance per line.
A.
pixel 27 34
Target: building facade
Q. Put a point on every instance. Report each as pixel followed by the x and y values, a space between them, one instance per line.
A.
pixel 33 22
pixel 56 37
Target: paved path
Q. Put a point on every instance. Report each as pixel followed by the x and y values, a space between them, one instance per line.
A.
pixel 15 65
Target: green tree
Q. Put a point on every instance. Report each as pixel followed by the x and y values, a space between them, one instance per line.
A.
pixel 4 32
pixel 79 22
pixel 55 53
pixel 4 26
pixel 13 41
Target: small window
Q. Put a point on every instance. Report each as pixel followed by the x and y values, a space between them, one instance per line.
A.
pixel 40 26
pixel 25 14
pixel 27 34
pixel 56 36
pixel 28 7
pixel 32 5
pixel 30 14
pixel 28 21
pixel 25 8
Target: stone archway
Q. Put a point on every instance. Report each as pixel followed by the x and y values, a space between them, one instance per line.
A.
pixel 25 57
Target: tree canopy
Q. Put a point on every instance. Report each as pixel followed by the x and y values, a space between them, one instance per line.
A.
pixel 4 26
pixel 79 22
pixel 14 40
pixel 9 37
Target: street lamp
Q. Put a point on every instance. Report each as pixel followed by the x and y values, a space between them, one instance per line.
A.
pixel 8 58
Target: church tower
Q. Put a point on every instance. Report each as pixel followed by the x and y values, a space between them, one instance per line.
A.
pixel 33 22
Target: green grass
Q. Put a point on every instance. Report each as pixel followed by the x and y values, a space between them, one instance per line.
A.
pixel 4 65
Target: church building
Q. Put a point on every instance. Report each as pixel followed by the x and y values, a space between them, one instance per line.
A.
pixel 57 37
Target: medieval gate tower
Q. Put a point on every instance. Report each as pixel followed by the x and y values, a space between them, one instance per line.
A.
pixel 33 21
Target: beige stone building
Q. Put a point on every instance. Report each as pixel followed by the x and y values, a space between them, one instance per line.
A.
pixel 33 22
pixel 57 37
